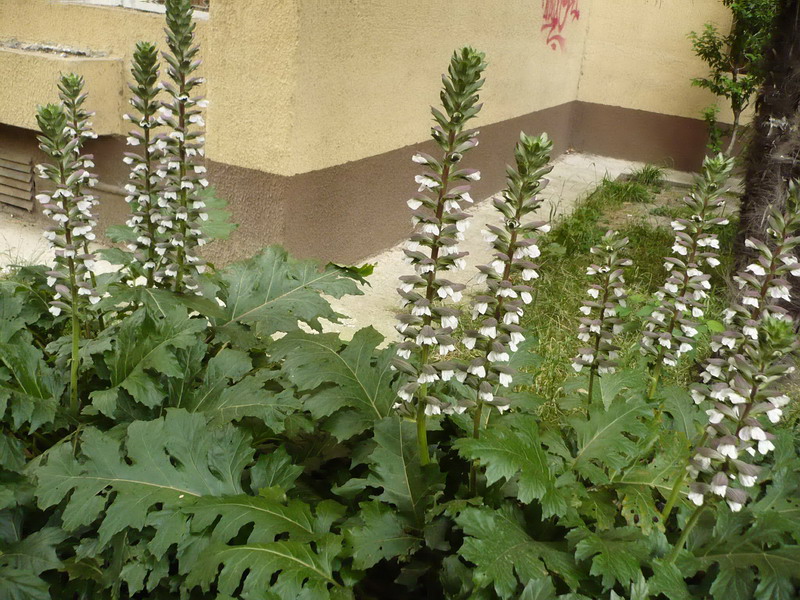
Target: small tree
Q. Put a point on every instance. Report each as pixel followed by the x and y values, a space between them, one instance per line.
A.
pixel 735 59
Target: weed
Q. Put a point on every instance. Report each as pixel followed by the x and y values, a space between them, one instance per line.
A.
pixel 650 176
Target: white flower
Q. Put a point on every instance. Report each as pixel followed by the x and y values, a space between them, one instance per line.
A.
pixel 425 183
pixel 419 159
pixel 779 291
pixel 696 498
pixel 54 310
pixel 750 301
pixel 765 446
pixel 593 292
pixel 747 480
pixel 450 321
pixel 469 342
pixel 756 269
pixel 734 506
pixel 729 450
pixel 474 176
pixel 505 379
pixel 488 330
pixel 413 203
pixel 497 356
pixel 477 370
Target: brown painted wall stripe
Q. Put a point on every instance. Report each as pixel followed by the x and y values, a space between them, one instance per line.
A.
pixel 350 211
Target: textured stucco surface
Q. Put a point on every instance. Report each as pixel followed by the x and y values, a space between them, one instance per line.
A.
pixel 638 55
pixel 29 79
pixel 252 75
pixel 109 31
pixel 368 71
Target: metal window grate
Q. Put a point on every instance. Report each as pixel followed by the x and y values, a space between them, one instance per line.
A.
pixel 16 180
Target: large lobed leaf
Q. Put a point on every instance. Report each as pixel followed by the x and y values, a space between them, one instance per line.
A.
pixel 508 453
pixel 142 348
pixel 272 292
pixel 159 464
pixel 231 388
pixel 382 534
pixel 23 560
pixel 265 543
pixel 395 469
pixel 28 385
pixel 505 555
pixel 352 383
pixel 606 438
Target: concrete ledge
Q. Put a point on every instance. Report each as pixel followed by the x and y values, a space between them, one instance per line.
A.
pixel 30 78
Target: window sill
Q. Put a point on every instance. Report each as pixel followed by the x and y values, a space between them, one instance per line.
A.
pixel 134 5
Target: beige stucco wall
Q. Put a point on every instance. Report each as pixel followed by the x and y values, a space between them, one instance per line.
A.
pixel 29 78
pixel 369 71
pixel 252 80
pixel 301 85
pixel 638 55
pixel 109 32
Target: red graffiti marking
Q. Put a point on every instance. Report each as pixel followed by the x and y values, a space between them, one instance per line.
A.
pixel 555 17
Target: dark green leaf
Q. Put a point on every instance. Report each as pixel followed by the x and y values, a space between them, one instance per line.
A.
pixel 498 546
pixel 395 468
pixel 384 534
pixel 357 377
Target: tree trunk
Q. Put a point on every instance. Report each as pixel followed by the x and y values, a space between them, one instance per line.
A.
pixel 734 132
pixel 773 157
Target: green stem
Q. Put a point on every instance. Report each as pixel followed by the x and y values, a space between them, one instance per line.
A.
pixel 74 400
pixel 476 434
pixel 687 529
pixel 422 430
pixel 676 487
pixel 654 377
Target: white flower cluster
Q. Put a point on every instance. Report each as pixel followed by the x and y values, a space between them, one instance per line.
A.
pixel 510 274
pixel 671 328
pixel 600 321
pixel 181 169
pixel 145 191
pixel 744 380
pixel 64 129
pixel 440 222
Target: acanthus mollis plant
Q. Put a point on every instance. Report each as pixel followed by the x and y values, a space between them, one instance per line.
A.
pixel 148 206
pixel 671 328
pixel 79 127
pixel 746 383
pixel 71 211
pixel 182 167
pixel 509 276
pixel 600 321
pixel 433 250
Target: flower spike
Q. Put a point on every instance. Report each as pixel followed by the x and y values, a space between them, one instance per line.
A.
pixel 744 381
pixel 439 223
pixel 510 275
pixel 181 167
pixel 671 328
pixel 600 323
pixel 145 190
